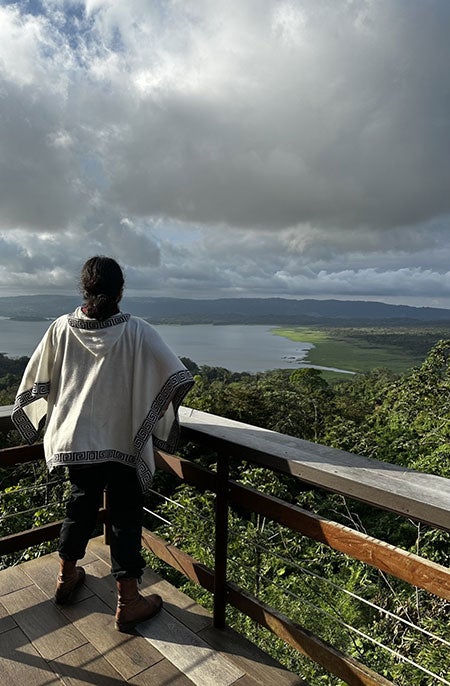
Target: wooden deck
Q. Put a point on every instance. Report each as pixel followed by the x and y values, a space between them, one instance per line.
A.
pixel 43 644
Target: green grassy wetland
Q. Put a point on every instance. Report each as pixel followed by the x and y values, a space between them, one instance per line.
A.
pixel 360 349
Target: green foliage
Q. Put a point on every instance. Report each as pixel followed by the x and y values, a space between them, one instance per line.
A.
pixel 362 348
pixel 278 400
pixel 12 365
pixel 11 370
pixel 308 379
pixel 190 364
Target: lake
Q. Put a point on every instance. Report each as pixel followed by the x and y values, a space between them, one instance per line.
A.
pixel 251 348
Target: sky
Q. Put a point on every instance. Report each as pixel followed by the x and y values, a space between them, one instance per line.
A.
pixel 238 148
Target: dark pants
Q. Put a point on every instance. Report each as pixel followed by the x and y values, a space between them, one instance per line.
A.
pixel 125 502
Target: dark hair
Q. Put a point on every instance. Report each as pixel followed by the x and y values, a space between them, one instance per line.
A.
pixel 102 285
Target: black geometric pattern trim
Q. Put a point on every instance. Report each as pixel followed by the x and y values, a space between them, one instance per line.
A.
pixel 38 390
pixel 170 443
pixel 18 415
pixel 144 474
pixel 92 324
pixel 24 426
pixel 143 471
pixel 175 388
pixel 88 456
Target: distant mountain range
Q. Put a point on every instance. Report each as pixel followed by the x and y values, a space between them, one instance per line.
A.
pixel 234 310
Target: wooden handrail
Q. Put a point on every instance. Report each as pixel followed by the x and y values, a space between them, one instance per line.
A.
pixel 420 496
pixel 39 534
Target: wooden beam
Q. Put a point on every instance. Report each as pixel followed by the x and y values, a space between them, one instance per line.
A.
pixel 178 559
pixel 187 471
pixel 407 566
pixel 221 542
pixel 346 668
pixel 25 539
pixel 21 454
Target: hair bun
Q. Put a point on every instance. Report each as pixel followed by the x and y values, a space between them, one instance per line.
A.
pixel 102 285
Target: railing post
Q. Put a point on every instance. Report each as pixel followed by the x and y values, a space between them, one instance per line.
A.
pixel 220 563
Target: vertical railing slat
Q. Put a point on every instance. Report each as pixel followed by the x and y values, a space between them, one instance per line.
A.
pixel 221 542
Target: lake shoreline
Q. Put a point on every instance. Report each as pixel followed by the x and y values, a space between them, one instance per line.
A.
pixel 239 348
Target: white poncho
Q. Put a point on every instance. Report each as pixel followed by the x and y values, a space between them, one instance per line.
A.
pixel 106 390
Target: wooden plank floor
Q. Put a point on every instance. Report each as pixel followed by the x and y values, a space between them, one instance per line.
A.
pixel 43 644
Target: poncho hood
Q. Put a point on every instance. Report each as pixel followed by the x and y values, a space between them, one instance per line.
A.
pixel 98 337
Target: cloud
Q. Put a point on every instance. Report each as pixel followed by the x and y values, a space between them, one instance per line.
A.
pixel 228 264
pixel 255 147
pixel 339 122
pixel 40 182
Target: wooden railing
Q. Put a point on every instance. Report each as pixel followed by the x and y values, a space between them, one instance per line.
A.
pixel 418 496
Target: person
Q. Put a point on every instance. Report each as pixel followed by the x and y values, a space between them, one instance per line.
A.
pixel 107 388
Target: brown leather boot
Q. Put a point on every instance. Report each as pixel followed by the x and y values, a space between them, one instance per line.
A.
pixel 70 578
pixel 132 608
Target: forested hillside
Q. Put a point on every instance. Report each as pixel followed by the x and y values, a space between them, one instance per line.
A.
pixel 404 419
pixel 234 310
